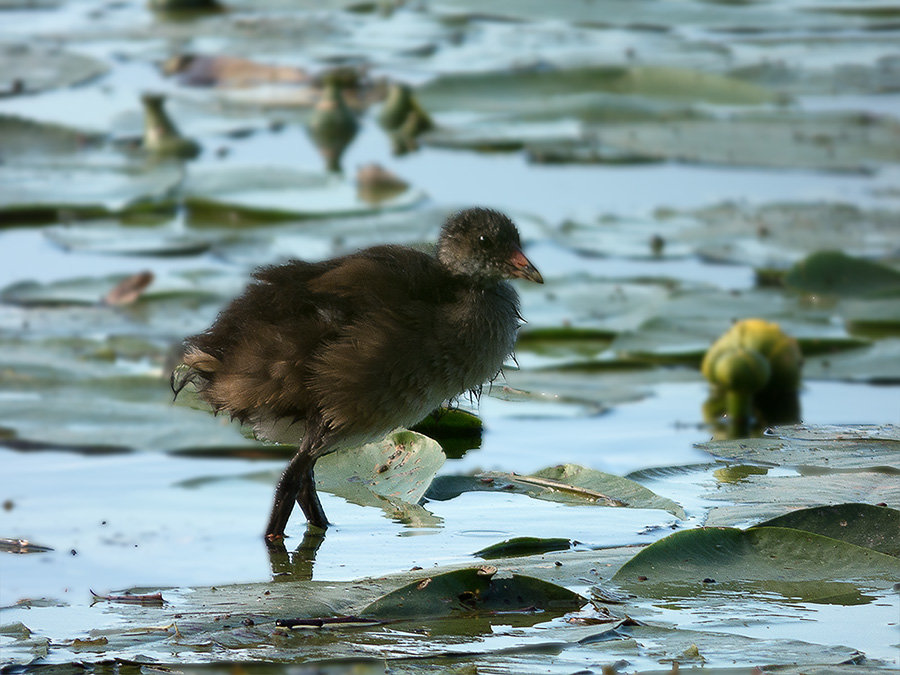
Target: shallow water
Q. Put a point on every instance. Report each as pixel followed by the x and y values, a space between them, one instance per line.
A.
pixel 151 518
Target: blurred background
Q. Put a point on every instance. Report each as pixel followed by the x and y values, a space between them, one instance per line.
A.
pixel 673 167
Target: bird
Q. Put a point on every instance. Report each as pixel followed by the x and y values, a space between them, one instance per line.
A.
pixel 333 354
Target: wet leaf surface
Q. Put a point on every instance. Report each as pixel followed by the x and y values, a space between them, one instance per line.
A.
pixel 569 484
pixel 835 453
pixel 626 141
pixel 776 554
pixel 472 591
pixel 399 468
pixel 874 527
pixel 29 69
pixel 520 546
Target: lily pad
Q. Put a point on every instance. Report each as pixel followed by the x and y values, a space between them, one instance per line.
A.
pixel 265 193
pixel 528 92
pixel 520 546
pixel 836 273
pixel 832 453
pixel 758 497
pixel 33 191
pixel 566 483
pixel 92 290
pixel 31 69
pixel 879 364
pixel 112 239
pixel 758 554
pixel 23 137
pixel 400 467
pixel 471 591
pixel 450 423
pixel 874 527
pixel 822 142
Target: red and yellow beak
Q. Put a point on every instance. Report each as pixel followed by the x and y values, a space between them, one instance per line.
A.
pixel 522 268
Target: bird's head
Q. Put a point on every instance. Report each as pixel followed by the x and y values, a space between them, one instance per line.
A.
pixel 484 245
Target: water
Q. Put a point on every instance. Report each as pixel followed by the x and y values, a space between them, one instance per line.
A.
pixel 153 519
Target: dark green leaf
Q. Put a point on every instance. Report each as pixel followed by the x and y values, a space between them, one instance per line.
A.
pixel 521 546
pixel 874 527
pixel 758 554
pixel 836 273
pixel 472 591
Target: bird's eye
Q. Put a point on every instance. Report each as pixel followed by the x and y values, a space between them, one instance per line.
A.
pixel 484 241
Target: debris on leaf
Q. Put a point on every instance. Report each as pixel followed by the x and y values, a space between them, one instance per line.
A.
pixel 131 598
pixel 129 289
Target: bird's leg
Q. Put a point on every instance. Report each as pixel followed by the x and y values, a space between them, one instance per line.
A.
pixel 297 483
pixel 308 499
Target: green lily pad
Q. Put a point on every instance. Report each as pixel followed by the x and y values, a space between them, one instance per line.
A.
pixel 759 497
pixel 566 483
pixel 24 137
pixel 836 273
pixel 820 142
pixel 265 194
pixel 835 452
pixel 527 92
pixel 878 363
pixel 30 69
pixel 400 467
pixel 86 291
pixel 470 591
pixel 450 423
pixel 758 554
pixel 738 472
pixel 113 239
pixel 752 17
pixel 521 546
pixel 90 190
pixel 775 236
pixel 874 527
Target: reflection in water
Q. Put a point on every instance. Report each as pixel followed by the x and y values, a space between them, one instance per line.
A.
pixel 403 118
pixel 161 136
pixel 333 126
pixel 755 371
pixel 295 565
pixel 777 409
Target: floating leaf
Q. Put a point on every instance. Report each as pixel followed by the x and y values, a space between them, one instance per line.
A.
pixel 758 497
pixel 401 467
pixel 261 193
pixel 836 273
pixel 832 142
pixel 874 527
pixel 31 69
pixel 87 188
pixel 758 554
pixel 527 92
pixel 117 240
pixel 833 453
pixel 567 483
pixel 450 422
pixel 471 591
pixel 738 472
pixel 521 546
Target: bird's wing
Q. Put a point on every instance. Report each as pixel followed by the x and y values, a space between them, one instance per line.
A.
pixel 270 338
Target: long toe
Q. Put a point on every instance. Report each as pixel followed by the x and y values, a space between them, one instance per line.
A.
pixel 312 507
